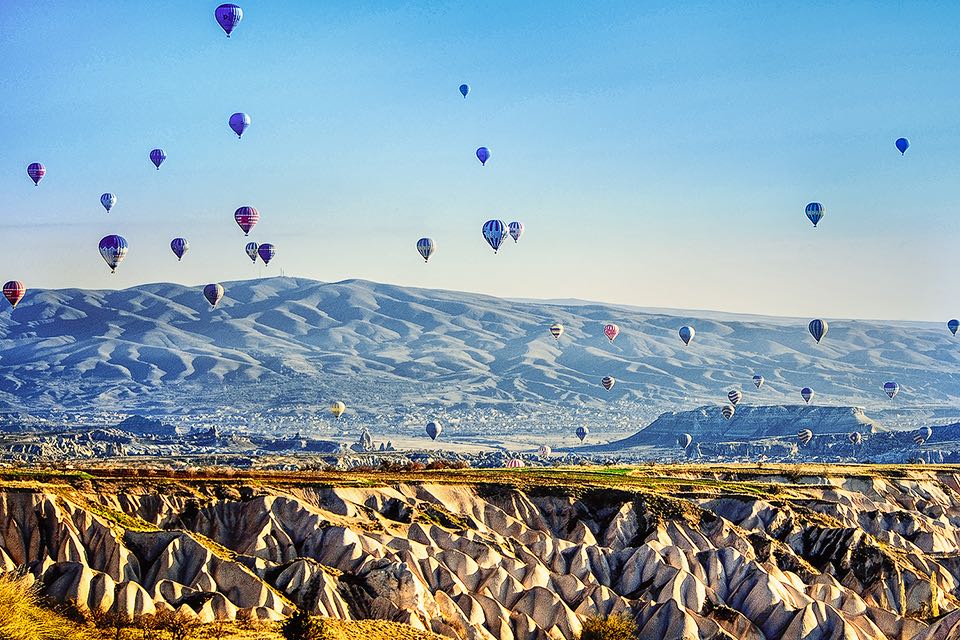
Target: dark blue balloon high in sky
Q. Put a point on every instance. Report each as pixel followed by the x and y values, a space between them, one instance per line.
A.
pixel 902 145
pixel 464 90
pixel 228 17
pixel 239 123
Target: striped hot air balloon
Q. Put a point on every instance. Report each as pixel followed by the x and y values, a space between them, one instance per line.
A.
pixel 728 410
pixel 36 171
pixel 544 451
pixel 611 331
pixel 818 328
pixel 213 293
pixel 246 217
pixel 251 250
pixel 891 389
pixel 804 436
pixel 113 248
pixel 686 334
pixel 338 409
pixel 815 212
pixel 582 433
pixel 13 291
pixel 514 463
pixel 735 397
pixel 918 439
pixel 684 440
pixel 494 232
pixel 758 380
pixel 157 156
pixel 179 246
pixel 516 230
pixel 556 330
pixel 426 247
pixel 806 393
pixel 108 200
pixel 608 382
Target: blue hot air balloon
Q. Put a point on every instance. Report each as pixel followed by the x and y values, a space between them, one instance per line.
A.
pixel 758 380
pixel 891 389
pixel 434 429
pixel 483 154
pixel 239 123
pixel 179 246
pixel 426 247
pixel 228 17
pixel 806 393
pixel 108 200
pixel 213 293
pixel 815 212
pixel 113 248
pixel 494 232
pixel 818 328
pixel 582 433
pixel 902 145
pixel 157 156
pixel 464 90
pixel 251 250
pixel 36 171
pixel 266 251
pixel 953 325
pixel 687 334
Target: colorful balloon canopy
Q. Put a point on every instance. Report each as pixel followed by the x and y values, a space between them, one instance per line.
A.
pixel 426 247
pixel 735 397
pixel 953 325
pixel 918 439
pixel 239 123
pixel 108 200
pixel 758 380
pixel 516 230
pixel 483 154
pixel 891 388
pixel 494 232
pixel 608 382
pixel 815 212
pixel 246 217
pixel 36 171
pixel 926 432
pixel 514 463
pixel 251 250
pixel 818 328
pixel 113 248
pixel 228 17
pixel 804 436
pixel 266 251
pixel 855 438
pixel 179 246
pixel 464 90
pixel 544 451
pixel 157 156
pixel 684 440
pixel 687 334
pixel 556 330
pixel 902 145
pixel 434 429
pixel 337 409
pixel 13 291
pixel 728 410
pixel 806 393
pixel 611 331
pixel 582 433
pixel 213 293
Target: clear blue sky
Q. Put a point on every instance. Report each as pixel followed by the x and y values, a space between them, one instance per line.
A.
pixel 658 155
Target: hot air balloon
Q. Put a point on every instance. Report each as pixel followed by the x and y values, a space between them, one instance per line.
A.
pixel 464 90
pixel 608 382
pixel 251 250
pixel 239 123
pixel 426 247
pixel 582 433
pixel 246 218
pixel 337 409
pixel 815 212
pixel 927 433
pixel 728 410
pixel 918 439
pixel 953 325
pixel 434 429
pixel 611 331
pixel 684 440
pixel 544 451
pixel 228 17
pixel 266 251
pixel 804 436
pixel 818 328
pixel 686 334
pixel 891 388
pixel 758 380
pixel 902 145
pixel 179 246
pixel 856 438
pixel 14 291
pixel 514 463
pixel 494 232
pixel 157 156
pixel 735 397
pixel 483 154
pixel 806 393
pixel 113 248
pixel 108 200
pixel 516 230
pixel 36 171
pixel 213 293
pixel 556 330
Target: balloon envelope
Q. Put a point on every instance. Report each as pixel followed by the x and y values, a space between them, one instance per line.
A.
pixel 266 251
pixel 228 17
pixel 179 246
pixel 515 463
pixel 953 325
pixel 806 393
pixel 818 328
pixel 545 451
pixel 483 154
pixel 516 230
pixel 157 156
pixel 728 410
pixel 758 380
pixel 246 218
pixel 815 212
pixel 804 436
pixel 434 429
pixel 494 232
pixel 213 293
pixel 464 90
pixel 927 433
pixel 337 409
pixel 239 123
pixel 14 291
pixel 113 248
pixel 684 440
pixel 608 382
pixel 902 145
pixel 426 247
pixel 611 331
pixel 556 330
pixel 855 438
pixel 251 250
pixel 891 388
pixel 735 397
pixel 108 200
pixel 687 334
pixel 582 433
pixel 36 171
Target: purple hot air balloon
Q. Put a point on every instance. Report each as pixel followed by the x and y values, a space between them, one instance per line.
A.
pixel 266 251
pixel 228 17
pixel 483 154
pixel 157 156
pixel 213 293
pixel 179 246
pixel 239 123
pixel 113 248
pixel 36 171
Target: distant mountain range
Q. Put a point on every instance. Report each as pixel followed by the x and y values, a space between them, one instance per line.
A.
pixel 290 344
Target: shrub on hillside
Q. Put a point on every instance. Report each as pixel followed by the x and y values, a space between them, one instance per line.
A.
pixel 301 626
pixel 615 627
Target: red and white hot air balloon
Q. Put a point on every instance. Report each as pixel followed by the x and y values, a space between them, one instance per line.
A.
pixel 13 291
pixel 611 331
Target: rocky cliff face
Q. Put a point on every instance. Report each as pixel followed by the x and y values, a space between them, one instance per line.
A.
pixel 700 553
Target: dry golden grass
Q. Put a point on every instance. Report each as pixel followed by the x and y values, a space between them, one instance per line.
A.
pixel 23 618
